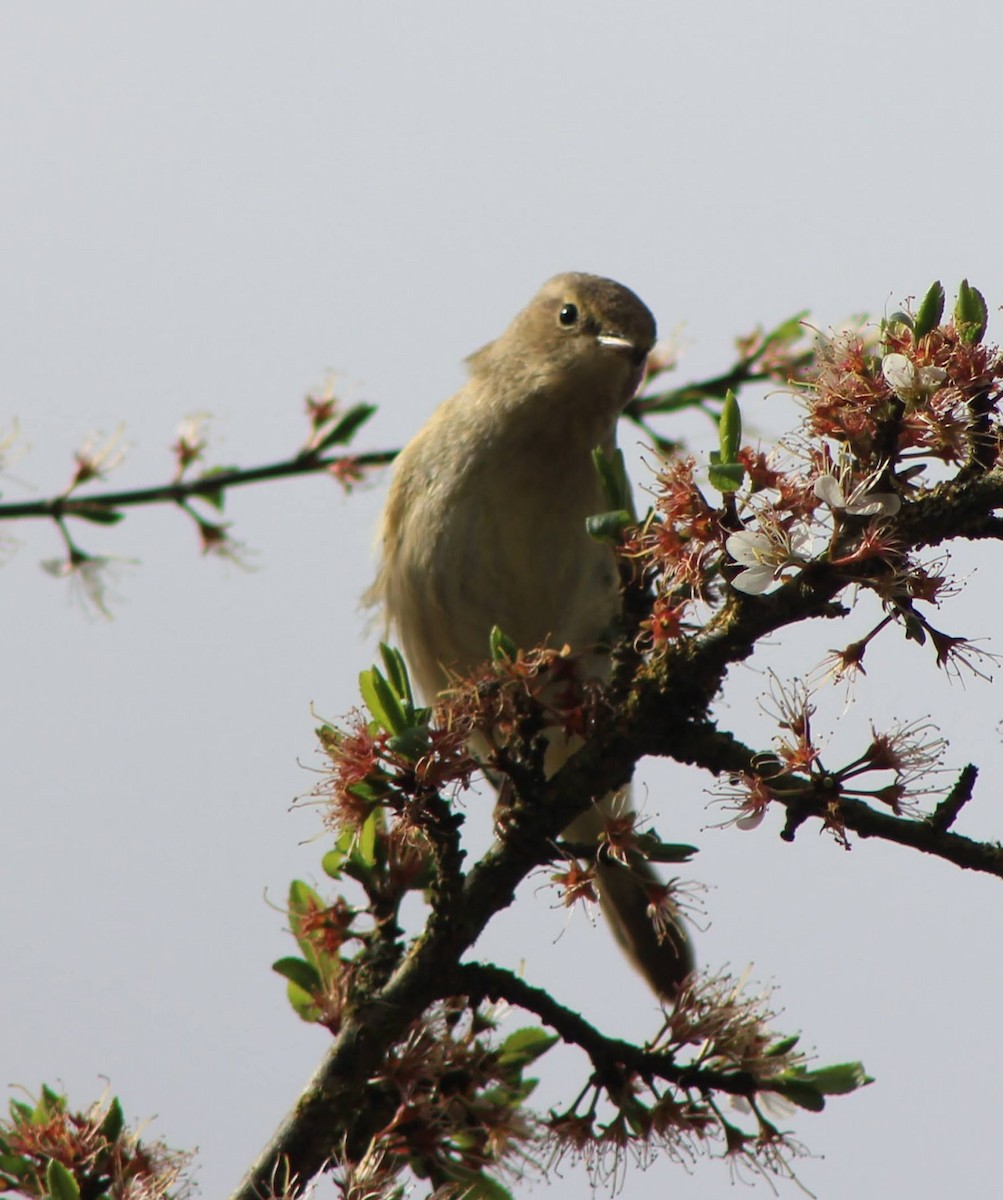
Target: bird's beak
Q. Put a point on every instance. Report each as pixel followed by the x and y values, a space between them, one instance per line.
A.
pixel 614 342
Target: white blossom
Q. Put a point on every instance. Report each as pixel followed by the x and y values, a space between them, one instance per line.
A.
pixel 765 553
pixel 861 501
pixel 908 381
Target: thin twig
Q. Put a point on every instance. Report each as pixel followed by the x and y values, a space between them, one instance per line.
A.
pixel 946 812
pixel 55 507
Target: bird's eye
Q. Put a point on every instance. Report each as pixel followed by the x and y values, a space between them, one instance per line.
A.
pixel 568 315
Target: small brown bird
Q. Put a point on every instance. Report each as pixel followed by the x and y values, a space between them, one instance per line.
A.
pixel 485 525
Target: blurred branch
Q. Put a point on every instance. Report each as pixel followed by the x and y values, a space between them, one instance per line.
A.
pixel 90 574
pixel 103 507
pixel 778 355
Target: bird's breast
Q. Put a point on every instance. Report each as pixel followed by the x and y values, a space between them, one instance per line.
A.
pixel 500 544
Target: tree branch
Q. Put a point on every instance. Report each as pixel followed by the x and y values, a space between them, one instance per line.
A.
pixel 660 708
pixel 56 507
pixel 610 1057
pixel 955 508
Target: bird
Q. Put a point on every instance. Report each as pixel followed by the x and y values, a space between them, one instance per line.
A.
pixel 485 527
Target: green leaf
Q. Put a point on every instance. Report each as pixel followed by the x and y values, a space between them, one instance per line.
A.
pixel 729 428
pixel 502 646
pixel 369 791
pixel 808 1089
pixel 299 971
pixel 795 1089
pixel 330 738
pixel 14 1165
pixel 665 852
pixel 396 669
pixel 97 514
pixel 412 743
pixel 899 318
pixel 726 477
pixel 346 428
pixel 60 1182
pixel 783 1046
pixel 364 851
pixel 382 701
pixel 608 526
pixel 970 314
pixel 365 845
pixel 726 472
pixel 214 496
pixel 303 900
pixel 525 1046
pixel 330 864
pixel 303 1004
pixel 521 1091
pixel 914 630
pixel 931 310
pixel 114 1121
pixel 839 1078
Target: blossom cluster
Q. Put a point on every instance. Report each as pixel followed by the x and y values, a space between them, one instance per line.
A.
pixel 49 1150
pixel 898 765
pixel 880 414
pixel 454 1094
pixel 717 1025
pixel 377 760
pixel 370 767
pixel 917 399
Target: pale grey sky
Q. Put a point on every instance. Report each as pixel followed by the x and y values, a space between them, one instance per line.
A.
pixel 205 206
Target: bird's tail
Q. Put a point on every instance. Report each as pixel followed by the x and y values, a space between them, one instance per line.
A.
pixel 644 918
